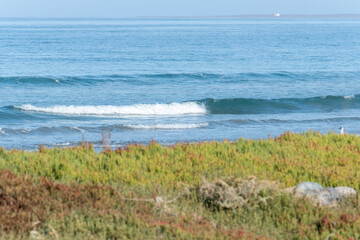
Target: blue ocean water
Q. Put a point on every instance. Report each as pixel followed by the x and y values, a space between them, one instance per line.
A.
pixel 64 81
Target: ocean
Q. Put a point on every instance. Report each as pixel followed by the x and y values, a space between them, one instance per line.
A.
pixel 67 81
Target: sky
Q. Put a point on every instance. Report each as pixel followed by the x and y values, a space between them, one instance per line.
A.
pixel 136 8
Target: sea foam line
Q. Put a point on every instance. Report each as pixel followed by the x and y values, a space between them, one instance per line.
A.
pixel 137 109
pixel 167 126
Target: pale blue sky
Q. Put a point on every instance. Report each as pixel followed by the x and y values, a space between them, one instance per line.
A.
pixel 134 8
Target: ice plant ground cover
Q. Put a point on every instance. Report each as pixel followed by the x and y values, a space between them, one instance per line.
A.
pixel 153 191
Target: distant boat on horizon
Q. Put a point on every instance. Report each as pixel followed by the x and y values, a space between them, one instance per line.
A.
pixel 277 15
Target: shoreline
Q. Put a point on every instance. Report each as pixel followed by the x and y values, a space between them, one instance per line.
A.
pixel 106 143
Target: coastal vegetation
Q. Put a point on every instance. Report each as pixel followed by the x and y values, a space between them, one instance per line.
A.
pixel 154 191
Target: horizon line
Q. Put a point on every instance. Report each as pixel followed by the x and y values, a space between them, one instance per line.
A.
pixel 338 15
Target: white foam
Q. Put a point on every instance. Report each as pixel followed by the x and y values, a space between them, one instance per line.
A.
pixel 64 144
pixel 79 129
pixel 137 109
pixel 168 126
pixel 1 131
pixel 349 97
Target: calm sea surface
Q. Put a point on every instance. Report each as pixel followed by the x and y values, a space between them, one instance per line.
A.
pixel 175 80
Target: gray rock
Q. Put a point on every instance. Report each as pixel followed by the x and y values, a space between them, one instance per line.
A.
pixel 327 196
pixel 346 191
pixel 307 188
pixel 321 196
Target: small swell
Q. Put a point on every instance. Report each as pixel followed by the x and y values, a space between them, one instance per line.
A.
pixel 177 77
pixel 281 105
pixel 41 130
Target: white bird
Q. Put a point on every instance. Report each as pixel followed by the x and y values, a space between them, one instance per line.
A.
pixel 342 130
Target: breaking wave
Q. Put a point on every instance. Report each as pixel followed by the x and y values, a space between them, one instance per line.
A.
pixel 208 106
pixel 186 108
